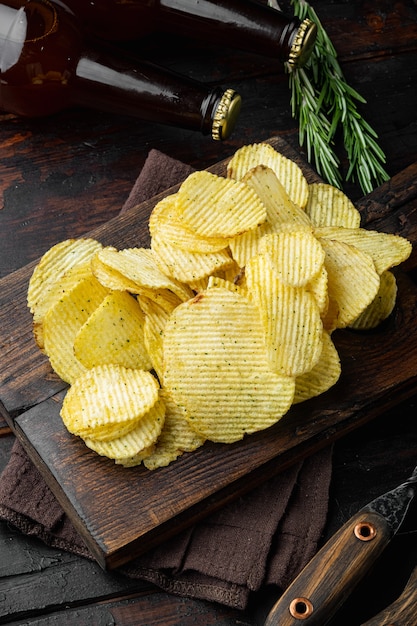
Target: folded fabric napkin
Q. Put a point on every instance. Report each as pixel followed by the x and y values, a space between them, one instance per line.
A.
pixel 263 538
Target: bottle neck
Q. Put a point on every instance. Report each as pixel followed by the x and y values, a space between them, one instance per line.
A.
pixel 152 93
pixel 243 24
pixel 246 25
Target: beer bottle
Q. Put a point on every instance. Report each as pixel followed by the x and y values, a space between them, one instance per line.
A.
pixel 46 66
pixel 243 24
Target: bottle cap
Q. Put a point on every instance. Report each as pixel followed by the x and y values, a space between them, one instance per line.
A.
pixel 303 43
pixel 226 114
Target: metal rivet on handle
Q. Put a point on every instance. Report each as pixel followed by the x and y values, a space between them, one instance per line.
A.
pixel 365 531
pixel 301 608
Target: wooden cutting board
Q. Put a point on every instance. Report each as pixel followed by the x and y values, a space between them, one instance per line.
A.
pixel 122 512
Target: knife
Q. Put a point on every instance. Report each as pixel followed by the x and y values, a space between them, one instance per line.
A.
pixel 330 577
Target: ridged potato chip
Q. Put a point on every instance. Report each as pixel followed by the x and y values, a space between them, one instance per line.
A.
pixel 296 257
pixel 216 367
pixel 287 171
pixel 57 272
pixel 281 210
pixel 386 250
pixel 353 282
pixel 318 287
pixel 155 320
pixel 114 333
pixel 291 319
pixel 322 376
pixel 137 443
pixel 62 323
pixel 166 223
pixel 216 281
pixel 213 206
pixel 382 305
pixel 329 206
pixel 176 437
pixel 188 267
pixel 136 459
pixel 108 401
pixel 281 214
pixel 139 268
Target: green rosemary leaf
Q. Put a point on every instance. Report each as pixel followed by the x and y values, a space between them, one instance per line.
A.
pixel 322 101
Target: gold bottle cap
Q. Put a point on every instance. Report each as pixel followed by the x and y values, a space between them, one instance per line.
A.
pixel 303 43
pixel 226 114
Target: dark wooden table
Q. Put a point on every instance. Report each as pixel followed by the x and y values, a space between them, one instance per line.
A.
pixel 62 176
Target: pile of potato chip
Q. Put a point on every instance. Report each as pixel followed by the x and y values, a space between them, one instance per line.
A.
pixel 223 323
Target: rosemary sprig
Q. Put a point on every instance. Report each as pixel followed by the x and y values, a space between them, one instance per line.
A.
pixel 323 102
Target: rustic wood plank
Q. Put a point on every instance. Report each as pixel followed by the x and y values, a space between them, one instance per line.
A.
pixel 228 470
pixel 373 378
pixel 155 608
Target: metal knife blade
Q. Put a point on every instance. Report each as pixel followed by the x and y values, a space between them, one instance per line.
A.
pixel 330 577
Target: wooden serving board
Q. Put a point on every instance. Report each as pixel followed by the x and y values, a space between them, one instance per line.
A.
pixel 122 512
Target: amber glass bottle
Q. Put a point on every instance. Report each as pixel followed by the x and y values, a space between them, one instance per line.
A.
pixel 46 66
pixel 242 24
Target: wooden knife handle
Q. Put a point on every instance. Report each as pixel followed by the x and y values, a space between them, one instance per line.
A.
pixel 403 610
pixel 330 577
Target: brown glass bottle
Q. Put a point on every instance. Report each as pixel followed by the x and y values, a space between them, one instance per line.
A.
pixel 242 24
pixel 45 66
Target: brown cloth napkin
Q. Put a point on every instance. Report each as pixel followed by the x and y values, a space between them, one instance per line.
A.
pixel 263 538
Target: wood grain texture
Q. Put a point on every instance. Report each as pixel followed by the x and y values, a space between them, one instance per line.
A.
pixel 100 500
pixel 321 588
pixel 69 174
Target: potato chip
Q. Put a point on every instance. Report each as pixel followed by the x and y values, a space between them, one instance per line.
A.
pixel 188 267
pixel 166 223
pixel 137 443
pixel 287 171
pixel 246 245
pixel 353 282
pixel 111 278
pixel 136 459
pixel 281 210
pixel 59 269
pixel 155 320
pixel 318 287
pixel 291 319
pixel 114 333
pixel 296 257
pixel 216 281
pixel 282 214
pixel 108 401
pixel 200 284
pixel 331 316
pixel 62 323
pixel 382 305
pixel 139 267
pixel 66 283
pixel 216 367
pixel 329 206
pixel 213 206
pixel 386 250
pixel 232 273
pixel 176 437
pixel 322 376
